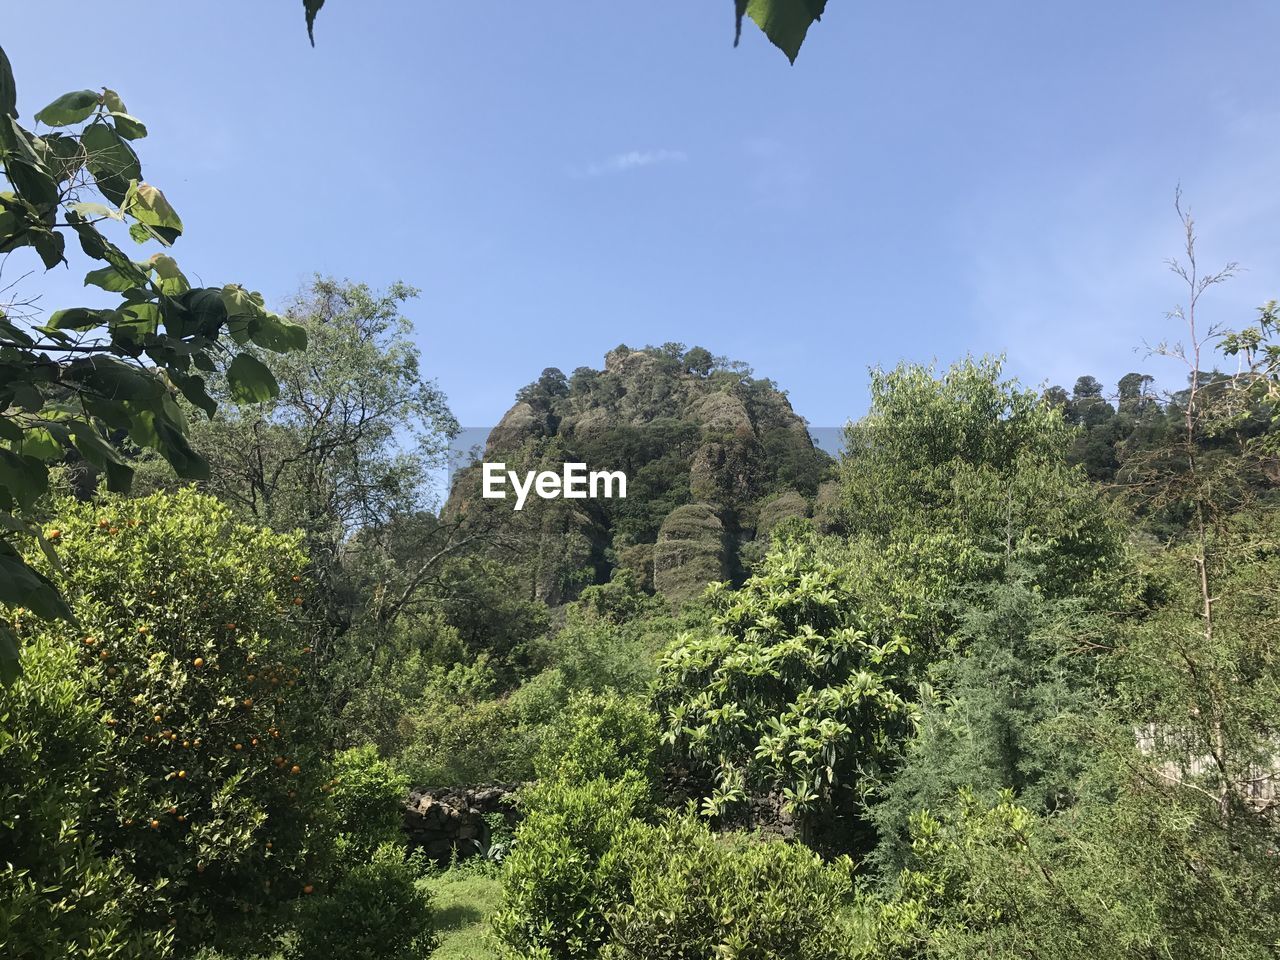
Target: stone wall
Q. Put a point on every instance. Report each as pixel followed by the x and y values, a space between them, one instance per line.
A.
pixel 449 822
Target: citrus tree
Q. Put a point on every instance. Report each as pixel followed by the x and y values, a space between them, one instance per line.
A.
pixel 84 381
pixel 206 777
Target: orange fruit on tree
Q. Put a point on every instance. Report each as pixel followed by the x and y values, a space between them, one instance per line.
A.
pixel 309 889
pixel 198 662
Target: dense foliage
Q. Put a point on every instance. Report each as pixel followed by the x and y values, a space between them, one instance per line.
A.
pixel 86 379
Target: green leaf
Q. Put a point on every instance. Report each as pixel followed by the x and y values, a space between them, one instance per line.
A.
pixel 114 379
pixel 279 335
pixel 784 22
pixel 69 108
pixel 10 663
pixel 33 183
pixel 153 212
pixel 8 89
pixel 65 155
pixel 111 160
pixel 24 478
pixel 193 388
pixel 91 211
pixel 40 444
pixel 21 586
pixel 103 456
pixel 312 7
pixel 109 278
pixel 78 318
pixel 113 101
pixel 131 128
pixel 50 245
pixel 173 283
pixel 250 380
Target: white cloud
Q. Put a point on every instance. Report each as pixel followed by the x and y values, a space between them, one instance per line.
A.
pixel 631 160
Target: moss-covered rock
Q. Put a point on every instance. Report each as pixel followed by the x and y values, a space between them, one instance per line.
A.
pixel 688 429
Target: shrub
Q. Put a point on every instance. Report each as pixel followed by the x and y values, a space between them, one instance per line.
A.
pixel 367 795
pixel 460 737
pixel 563 873
pixel 189 644
pixel 376 911
pixel 599 735
pixel 60 895
pixel 694 894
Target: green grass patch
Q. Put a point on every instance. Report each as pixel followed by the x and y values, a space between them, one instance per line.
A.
pixel 462 903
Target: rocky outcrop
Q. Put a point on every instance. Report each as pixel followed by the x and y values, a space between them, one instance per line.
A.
pixel 708 450
pixel 690 552
pixel 455 822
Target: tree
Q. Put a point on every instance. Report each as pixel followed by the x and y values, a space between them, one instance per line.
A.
pixel 345 448
pixel 88 380
pixel 784 22
pixel 798 686
pixel 203 768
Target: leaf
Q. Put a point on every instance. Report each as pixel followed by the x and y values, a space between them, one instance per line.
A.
pixel 131 128
pixel 784 22
pixel 250 380
pixel 10 663
pixel 279 335
pixel 153 212
pixel 65 155
pixel 33 182
pixel 172 281
pixel 8 89
pixel 193 388
pixel 312 7
pixel 50 245
pixel 114 379
pixel 78 318
pixel 91 211
pixel 24 478
pixel 113 101
pixel 22 586
pixel 111 160
pixel 109 278
pixel 69 108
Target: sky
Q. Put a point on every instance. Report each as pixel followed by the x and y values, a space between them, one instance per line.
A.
pixel 928 180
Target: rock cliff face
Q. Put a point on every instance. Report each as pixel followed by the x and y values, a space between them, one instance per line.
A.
pixel 713 456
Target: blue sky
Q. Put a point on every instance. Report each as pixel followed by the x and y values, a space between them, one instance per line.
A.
pixel 929 179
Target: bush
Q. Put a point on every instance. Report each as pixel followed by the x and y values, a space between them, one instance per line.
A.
pixel 599 735
pixel 563 872
pixel 367 796
pixel 201 766
pixel 459 737
pixel 376 911
pixel 60 895
pixel 694 894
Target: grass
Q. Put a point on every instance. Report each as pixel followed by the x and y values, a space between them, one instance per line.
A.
pixel 463 900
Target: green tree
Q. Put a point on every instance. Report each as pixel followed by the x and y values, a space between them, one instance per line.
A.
pixel 798 686
pixel 205 772
pixel 86 380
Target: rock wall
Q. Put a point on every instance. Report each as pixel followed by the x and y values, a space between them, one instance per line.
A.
pixel 450 822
